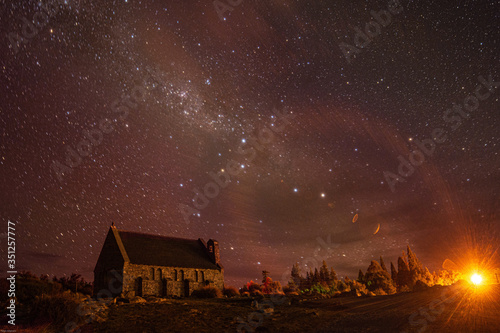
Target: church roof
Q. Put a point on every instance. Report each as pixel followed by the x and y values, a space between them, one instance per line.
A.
pixel 146 249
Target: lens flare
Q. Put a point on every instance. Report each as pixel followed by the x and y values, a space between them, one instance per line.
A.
pixel 476 279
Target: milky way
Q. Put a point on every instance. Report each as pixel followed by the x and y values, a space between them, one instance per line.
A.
pixel 266 126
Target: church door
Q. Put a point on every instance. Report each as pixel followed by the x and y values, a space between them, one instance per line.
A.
pixel 186 288
pixel 138 286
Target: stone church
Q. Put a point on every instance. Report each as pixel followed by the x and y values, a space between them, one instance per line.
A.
pixel 136 264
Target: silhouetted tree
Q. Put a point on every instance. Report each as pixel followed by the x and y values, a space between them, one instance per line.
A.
pixel 265 274
pixel 295 278
pixel 333 275
pixel 377 278
pixel 361 276
pixel 316 278
pixel 394 273
pixel 324 276
pixel 382 264
pixel 404 278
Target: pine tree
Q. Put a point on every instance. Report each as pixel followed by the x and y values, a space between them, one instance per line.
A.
pixel 382 264
pixel 316 276
pixel 308 281
pixel 323 273
pixel 295 276
pixel 265 274
pixel 377 278
pixel 394 273
pixel 404 277
pixel 428 277
pixel 361 277
pixel 333 275
pixel 416 270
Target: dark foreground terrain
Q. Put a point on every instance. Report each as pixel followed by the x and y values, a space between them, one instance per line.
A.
pixel 459 308
pixel 438 309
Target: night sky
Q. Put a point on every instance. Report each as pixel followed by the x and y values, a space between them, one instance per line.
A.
pixel 307 115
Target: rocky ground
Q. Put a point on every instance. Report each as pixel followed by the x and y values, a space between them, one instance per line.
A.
pixel 437 309
pixel 459 308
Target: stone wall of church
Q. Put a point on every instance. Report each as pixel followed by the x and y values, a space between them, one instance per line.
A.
pixel 167 281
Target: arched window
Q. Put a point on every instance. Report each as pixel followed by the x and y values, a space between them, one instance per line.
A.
pixel 175 275
pixel 151 273
pixel 182 275
pixel 196 276
pixel 158 274
pixel 202 276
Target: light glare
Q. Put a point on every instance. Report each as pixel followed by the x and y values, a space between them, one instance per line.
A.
pixel 476 279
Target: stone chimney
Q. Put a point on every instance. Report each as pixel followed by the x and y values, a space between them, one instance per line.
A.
pixel 213 250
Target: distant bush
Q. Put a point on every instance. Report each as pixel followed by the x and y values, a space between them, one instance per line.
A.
pixel 245 294
pixel 404 289
pixel 420 285
pixel 342 287
pixel 257 293
pixel 379 292
pixel 358 287
pixel 288 289
pixel 27 288
pixel 58 310
pixel 252 286
pixel 207 292
pixel 230 292
pixel 319 289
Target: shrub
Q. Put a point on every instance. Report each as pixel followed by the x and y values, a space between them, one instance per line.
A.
pixel 230 292
pixel 252 286
pixel 319 289
pixel 207 292
pixel 420 285
pixel 257 293
pixel 359 287
pixel 57 310
pixel 379 292
pixel 342 287
pixel 245 294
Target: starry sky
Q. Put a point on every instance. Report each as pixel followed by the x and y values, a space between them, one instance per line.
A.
pixel 126 112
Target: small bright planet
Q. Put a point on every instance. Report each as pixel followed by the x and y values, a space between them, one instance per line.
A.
pixel 476 279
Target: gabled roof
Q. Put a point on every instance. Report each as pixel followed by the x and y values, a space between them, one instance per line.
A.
pixel 146 249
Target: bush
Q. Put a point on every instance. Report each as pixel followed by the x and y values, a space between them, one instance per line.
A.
pixel 230 292
pixel 57 310
pixel 379 292
pixel 420 285
pixel 252 286
pixel 257 293
pixel 342 287
pixel 319 289
pixel 207 292
pixel 245 294
pixel 359 287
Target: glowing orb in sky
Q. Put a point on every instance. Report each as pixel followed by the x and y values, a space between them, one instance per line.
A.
pixel 476 279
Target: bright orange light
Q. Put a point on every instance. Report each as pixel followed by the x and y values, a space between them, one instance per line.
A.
pixel 476 279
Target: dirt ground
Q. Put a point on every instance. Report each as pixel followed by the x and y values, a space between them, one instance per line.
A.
pixel 437 309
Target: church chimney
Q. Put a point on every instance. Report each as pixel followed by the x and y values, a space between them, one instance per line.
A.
pixel 213 250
